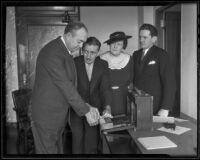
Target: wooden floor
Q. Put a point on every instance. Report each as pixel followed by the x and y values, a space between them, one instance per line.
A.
pixel 11 139
pixel 11 136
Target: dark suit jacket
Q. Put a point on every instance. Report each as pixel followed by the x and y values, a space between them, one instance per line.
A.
pixel 96 92
pixel 156 79
pixel 54 89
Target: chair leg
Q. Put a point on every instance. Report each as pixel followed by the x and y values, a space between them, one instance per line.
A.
pixel 32 144
pixel 18 139
pixel 29 142
pixel 18 144
pixel 25 143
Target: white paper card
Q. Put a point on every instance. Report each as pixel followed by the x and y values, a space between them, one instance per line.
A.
pixel 178 130
pixel 160 119
pixel 180 120
pixel 157 142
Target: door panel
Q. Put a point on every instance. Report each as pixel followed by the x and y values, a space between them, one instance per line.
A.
pixel 172 46
pixel 38 37
pixel 36 26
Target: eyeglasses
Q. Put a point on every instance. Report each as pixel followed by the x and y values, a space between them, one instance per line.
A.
pixel 88 52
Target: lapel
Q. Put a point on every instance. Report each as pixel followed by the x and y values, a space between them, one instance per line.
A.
pixel 62 46
pixel 95 72
pixel 146 58
pixel 70 60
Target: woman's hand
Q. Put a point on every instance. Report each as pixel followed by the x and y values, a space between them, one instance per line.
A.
pixel 130 87
pixel 107 112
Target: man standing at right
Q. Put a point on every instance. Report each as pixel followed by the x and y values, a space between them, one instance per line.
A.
pixel 153 72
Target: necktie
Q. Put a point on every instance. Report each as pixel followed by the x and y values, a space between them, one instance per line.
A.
pixel 143 52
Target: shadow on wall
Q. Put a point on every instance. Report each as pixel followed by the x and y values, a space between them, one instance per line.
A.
pixel 11 63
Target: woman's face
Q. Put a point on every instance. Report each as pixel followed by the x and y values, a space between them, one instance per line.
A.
pixel 116 47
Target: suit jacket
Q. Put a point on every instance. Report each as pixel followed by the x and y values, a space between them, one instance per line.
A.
pixel 96 92
pixel 54 89
pixel 155 75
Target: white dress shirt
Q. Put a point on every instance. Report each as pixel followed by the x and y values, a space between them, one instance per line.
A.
pixel 89 68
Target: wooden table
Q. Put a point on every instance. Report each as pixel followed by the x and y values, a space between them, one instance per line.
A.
pixel 127 143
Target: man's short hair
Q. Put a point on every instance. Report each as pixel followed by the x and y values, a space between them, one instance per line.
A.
pixel 92 41
pixel 151 28
pixel 72 26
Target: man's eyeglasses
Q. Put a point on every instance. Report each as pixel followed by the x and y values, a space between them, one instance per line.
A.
pixel 87 52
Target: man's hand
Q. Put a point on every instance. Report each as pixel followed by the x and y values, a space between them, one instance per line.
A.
pixel 163 112
pixel 92 116
pixel 90 119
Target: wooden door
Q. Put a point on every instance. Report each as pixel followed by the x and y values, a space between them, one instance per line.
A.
pixel 35 27
pixel 172 46
pixel 168 23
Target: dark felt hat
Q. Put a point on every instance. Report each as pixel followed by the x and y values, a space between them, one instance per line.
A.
pixel 117 36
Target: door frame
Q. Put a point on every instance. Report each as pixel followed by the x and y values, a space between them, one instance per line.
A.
pixel 160 20
pixel 160 15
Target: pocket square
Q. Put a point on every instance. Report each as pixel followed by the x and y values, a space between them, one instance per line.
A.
pixel 151 62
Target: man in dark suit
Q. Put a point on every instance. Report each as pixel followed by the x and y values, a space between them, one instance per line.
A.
pixel 94 88
pixel 55 91
pixel 153 72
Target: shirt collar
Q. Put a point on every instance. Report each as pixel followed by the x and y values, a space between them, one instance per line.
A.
pixel 62 38
pixel 89 65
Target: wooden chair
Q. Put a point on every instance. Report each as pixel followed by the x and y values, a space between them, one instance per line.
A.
pixel 25 142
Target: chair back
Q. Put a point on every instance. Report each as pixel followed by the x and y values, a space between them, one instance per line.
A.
pixel 25 142
pixel 21 99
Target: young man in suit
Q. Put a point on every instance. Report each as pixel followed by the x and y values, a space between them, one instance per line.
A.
pixel 153 72
pixel 94 88
pixel 55 91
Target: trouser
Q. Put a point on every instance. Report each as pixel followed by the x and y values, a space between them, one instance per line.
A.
pixel 85 138
pixel 47 141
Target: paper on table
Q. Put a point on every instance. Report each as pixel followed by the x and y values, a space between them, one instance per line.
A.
pixel 180 120
pixel 178 130
pixel 157 142
pixel 160 119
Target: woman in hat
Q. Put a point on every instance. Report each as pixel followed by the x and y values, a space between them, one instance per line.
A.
pixel 121 70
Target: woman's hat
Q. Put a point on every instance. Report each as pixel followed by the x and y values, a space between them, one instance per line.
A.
pixel 117 36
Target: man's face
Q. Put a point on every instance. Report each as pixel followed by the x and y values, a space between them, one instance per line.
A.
pixel 146 40
pixel 76 39
pixel 90 53
pixel 116 48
